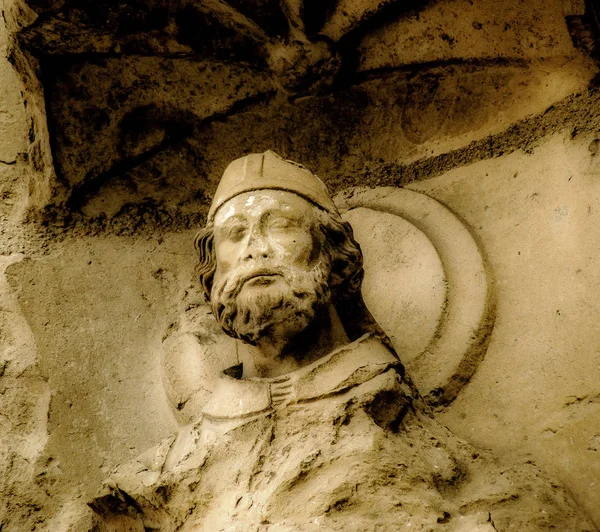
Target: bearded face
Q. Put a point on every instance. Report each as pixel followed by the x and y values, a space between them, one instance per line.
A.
pixel 251 305
pixel 273 272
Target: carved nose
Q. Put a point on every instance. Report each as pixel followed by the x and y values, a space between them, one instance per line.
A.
pixel 257 248
pixel 251 256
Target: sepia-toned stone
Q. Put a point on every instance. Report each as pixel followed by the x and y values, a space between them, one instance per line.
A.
pixel 317 419
pixel 492 108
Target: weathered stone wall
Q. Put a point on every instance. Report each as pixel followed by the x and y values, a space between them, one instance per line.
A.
pixel 14 138
pixel 488 108
pixel 536 392
pixel 24 393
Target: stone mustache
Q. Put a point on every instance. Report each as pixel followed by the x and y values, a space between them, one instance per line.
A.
pixel 317 427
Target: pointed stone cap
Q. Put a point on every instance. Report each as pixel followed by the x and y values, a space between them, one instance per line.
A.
pixel 260 171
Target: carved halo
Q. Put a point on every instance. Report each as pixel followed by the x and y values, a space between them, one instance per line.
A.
pixel 466 317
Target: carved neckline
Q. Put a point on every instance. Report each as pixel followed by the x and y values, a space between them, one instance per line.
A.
pixel 236 371
pixel 342 369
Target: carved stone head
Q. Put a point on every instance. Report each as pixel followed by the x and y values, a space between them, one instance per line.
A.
pixel 275 252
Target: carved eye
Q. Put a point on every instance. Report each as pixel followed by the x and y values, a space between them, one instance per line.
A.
pixel 236 232
pixel 281 223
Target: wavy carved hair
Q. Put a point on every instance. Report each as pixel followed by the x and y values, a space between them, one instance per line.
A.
pixel 337 239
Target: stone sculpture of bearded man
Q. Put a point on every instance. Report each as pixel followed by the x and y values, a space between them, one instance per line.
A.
pixel 274 264
pixel 317 427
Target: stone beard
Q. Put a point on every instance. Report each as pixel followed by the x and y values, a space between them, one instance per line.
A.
pixel 294 299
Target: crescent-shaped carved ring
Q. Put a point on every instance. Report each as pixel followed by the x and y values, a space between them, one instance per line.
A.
pixel 464 328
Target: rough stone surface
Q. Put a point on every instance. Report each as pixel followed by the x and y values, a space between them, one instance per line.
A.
pixel 383 467
pixel 490 122
pixel 170 110
pixel 24 400
pixel 141 111
pixel 464 30
pixel 98 367
pixel 13 138
pixel 152 143
pixel 539 380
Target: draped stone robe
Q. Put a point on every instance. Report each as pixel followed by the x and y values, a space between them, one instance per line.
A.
pixel 336 446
